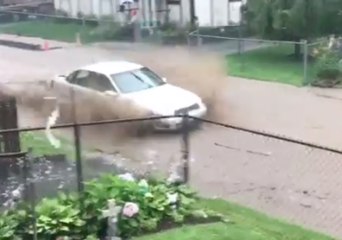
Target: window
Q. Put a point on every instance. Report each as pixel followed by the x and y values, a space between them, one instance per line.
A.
pixel 81 78
pixel 137 80
pixel 100 82
pixel 71 77
pixel 92 80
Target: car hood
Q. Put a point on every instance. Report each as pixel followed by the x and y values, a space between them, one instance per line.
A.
pixel 165 99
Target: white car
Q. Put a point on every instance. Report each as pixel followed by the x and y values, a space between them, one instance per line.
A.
pixel 143 86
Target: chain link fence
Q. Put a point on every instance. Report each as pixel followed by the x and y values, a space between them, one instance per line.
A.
pixel 288 62
pixel 59 160
pixel 283 178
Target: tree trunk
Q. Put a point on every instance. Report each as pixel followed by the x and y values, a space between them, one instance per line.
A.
pixel 297 50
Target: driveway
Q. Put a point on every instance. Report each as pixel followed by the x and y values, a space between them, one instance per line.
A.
pixel 285 180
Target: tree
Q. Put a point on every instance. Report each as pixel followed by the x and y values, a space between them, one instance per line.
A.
pixel 332 17
pixel 291 20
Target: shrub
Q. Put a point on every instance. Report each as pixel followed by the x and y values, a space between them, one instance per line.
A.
pixel 159 203
pixel 8 226
pixel 154 203
pixel 327 66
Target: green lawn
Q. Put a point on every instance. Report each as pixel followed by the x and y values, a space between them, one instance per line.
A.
pixel 50 30
pixel 41 146
pixel 246 225
pixel 270 64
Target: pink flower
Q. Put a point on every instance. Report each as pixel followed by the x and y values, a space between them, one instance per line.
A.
pixel 130 209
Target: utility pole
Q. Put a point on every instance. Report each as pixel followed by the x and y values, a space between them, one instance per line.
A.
pixel 136 21
pixel 193 18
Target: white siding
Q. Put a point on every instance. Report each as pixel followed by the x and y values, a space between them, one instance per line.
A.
pixel 220 13
pixel 216 13
pixel 175 13
pixel 202 9
pixel 88 7
pixel 211 13
pixel 234 12
pixel 180 14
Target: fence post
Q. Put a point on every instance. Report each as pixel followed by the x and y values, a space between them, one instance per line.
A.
pixel 188 44
pixel 305 60
pixel 77 133
pixel 33 209
pixel 80 186
pixel 32 191
pixel 185 149
pixel 29 188
pixel 199 40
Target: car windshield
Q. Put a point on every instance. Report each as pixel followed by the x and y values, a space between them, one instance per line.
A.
pixel 137 80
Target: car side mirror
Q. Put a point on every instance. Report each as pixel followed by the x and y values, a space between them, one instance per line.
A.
pixel 110 93
pixel 61 78
pixel 164 79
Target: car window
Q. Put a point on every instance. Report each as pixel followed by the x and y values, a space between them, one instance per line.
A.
pixel 100 82
pixel 137 80
pixel 81 78
pixel 70 78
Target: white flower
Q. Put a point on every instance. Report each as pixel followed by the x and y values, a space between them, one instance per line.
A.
pixel 127 176
pixel 172 198
pixel 143 183
pixel 130 209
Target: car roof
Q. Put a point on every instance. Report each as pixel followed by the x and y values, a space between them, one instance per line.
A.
pixel 112 67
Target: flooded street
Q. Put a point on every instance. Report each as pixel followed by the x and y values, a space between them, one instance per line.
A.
pixel 286 180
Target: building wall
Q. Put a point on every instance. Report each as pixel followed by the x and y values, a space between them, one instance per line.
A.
pixel 216 13
pixel 211 13
pixel 88 7
pixel 100 8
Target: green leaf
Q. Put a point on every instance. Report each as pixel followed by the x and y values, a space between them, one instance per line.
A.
pixel 44 218
pixel 64 229
pixel 66 220
pixel 178 218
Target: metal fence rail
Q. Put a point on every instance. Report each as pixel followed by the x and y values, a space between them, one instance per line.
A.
pixel 226 146
pixel 241 49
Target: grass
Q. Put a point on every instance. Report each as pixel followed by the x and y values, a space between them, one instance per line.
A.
pixel 50 30
pixel 246 225
pixel 41 147
pixel 273 64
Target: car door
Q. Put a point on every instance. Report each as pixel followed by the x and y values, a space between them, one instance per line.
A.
pixel 88 81
pixel 79 81
pixel 101 83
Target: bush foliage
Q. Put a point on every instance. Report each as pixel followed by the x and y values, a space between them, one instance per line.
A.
pixel 159 203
